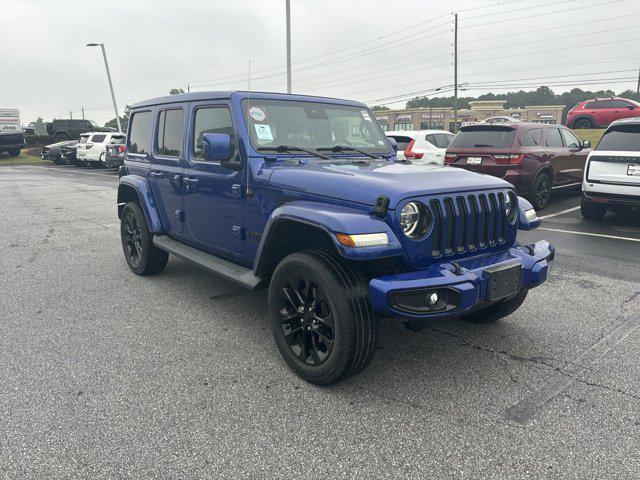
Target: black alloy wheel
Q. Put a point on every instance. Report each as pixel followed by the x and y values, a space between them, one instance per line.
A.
pixel 541 191
pixel 132 239
pixel 306 320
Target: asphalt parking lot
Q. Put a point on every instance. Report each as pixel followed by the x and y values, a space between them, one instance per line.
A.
pixel 107 375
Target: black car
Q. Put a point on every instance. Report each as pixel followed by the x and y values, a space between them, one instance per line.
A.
pixel 69 154
pixel 54 151
pixel 72 129
pixel 115 155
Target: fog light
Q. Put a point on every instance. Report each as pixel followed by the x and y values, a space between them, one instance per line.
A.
pixel 433 298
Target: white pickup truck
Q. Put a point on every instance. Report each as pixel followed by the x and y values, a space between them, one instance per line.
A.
pixel 11 137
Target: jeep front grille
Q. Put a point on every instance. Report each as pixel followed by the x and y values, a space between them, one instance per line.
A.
pixel 469 222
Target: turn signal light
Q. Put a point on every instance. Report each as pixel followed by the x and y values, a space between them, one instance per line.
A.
pixel 449 158
pixel 363 240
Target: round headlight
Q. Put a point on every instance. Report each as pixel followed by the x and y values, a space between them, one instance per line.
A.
pixel 415 220
pixel 510 206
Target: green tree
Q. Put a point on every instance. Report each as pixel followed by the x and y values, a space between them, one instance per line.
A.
pixel 124 120
pixel 175 91
pixel 38 126
pixel 378 108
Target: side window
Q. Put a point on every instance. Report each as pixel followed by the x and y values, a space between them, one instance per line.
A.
pixel 431 139
pixel 553 138
pixel 211 120
pixel 620 104
pixel 570 140
pixel 532 138
pixel 441 140
pixel 590 105
pixel 140 127
pixel 98 138
pixel 169 137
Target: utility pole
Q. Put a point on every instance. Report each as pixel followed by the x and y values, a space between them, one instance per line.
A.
pixel 106 66
pixel 638 87
pixel 71 115
pixel 455 74
pixel 83 113
pixel 249 80
pixel 188 88
pixel 288 46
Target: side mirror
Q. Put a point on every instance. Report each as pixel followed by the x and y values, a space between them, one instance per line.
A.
pixel 586 144
pixel 393 143
pixel 527 217
pixel 217 147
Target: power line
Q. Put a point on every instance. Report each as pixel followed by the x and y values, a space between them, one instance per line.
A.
pixel 488 6
pixel 554 50
pixel 550 39
pixel 582 7
pixel 528 32
pixel 518 9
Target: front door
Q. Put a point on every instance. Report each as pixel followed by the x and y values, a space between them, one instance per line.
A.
pixel 577 154
pixel 213 205
pixel 167 164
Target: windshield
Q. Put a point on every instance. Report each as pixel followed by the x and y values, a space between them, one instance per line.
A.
pixel 479 137
pixel 312 125
pixel 621 138
pixel 93 124
pixel 83 139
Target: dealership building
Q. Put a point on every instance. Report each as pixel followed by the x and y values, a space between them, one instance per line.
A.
pixel 442 118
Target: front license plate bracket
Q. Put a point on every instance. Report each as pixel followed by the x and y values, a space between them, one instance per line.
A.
pixel 503 280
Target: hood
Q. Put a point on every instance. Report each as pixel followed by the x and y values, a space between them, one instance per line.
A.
pixel 364 182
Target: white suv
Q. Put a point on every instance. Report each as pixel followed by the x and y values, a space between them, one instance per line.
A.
pixel 92 147
pixel 612 174
pixel 422 146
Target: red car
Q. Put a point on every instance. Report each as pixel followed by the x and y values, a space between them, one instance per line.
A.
pixel 534 157
pixel 601 112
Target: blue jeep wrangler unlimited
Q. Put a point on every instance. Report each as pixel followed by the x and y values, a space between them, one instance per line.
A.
pixel 305 195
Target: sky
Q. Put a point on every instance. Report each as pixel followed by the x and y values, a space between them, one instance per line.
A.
pixel 380 52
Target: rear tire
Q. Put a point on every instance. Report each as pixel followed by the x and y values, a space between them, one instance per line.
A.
pixel 320 316
pixel 540 191
pixel 61 137
pixel 591 211
pixel 13 152
pixel 142 256
pixel 499 310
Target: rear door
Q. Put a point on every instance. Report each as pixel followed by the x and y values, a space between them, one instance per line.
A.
pixel 559 156
pixel 213 201
pixel 167 164
pixel 578 155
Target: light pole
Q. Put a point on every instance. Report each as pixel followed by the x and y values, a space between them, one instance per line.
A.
pixel 106 65
pixel 288 8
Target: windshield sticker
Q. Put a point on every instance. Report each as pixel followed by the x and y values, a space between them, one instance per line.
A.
pixel 263 131
pixel 365 115
pixel 258 114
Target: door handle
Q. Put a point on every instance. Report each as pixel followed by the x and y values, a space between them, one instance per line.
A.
pixel 189 182
pixel 156 174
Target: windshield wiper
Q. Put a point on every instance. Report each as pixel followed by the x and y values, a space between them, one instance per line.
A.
pixel 292 148
pixel 344 148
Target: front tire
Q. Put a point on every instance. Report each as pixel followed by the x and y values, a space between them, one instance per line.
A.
pixel 142 256
pixel 583 123
pixel 320 316
pixel 499 310
pixel 591 211
pixel 540 191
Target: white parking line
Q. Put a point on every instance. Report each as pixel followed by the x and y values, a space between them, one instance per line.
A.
pixel 613 237
pixel 560 213
pixel 70 171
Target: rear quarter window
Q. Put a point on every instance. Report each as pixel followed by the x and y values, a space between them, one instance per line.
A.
pixel 140 128
pixel 402 141
pixel 484 137
pixel 532 138
pixel 98 138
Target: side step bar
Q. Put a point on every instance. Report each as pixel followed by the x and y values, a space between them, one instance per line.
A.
pixel 228 270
